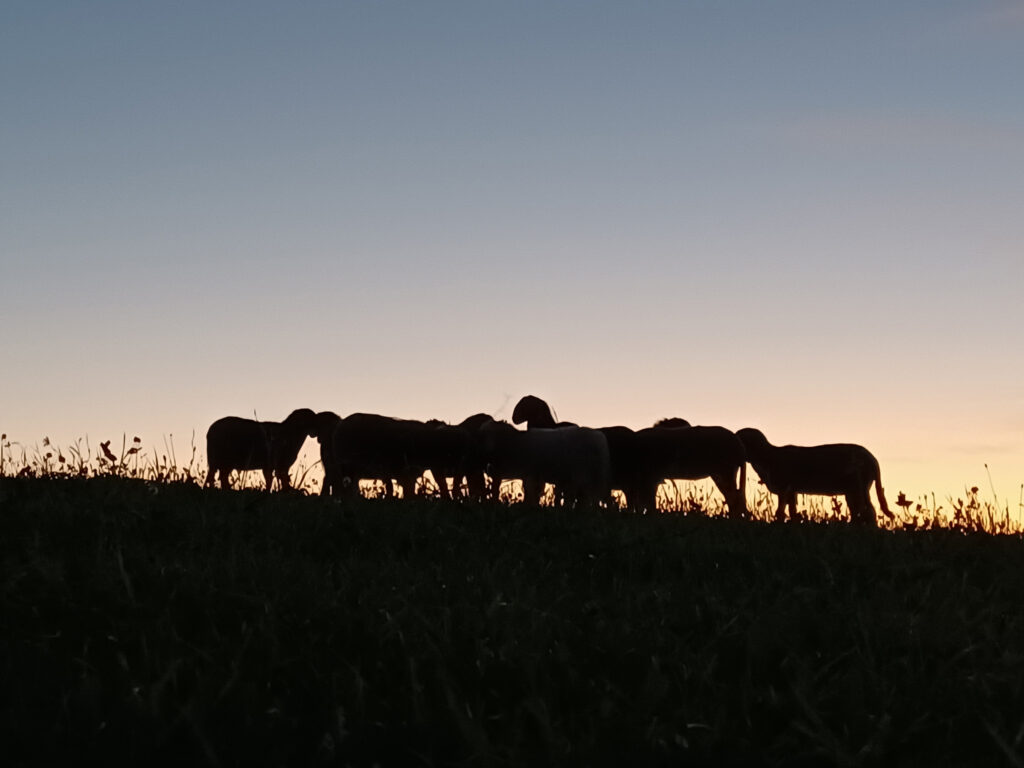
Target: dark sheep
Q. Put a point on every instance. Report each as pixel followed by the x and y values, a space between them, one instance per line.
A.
pixel 828 470
pixel 537 414
pixel 447 450
pixel 673 422
pixel 475 463
pixel 689 453
pixel 368 445
pixel 371 446
pixel 245 444
pixel 323 428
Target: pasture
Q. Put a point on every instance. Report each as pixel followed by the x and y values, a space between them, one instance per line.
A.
pixel 150 622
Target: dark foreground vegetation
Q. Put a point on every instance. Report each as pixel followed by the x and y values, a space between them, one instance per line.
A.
pixel 161 624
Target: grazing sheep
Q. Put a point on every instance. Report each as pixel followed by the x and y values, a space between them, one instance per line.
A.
pixel 446 450
pixel 573 459
pixel 323 429
pixel 689 453
pixel 245 444
pixel 829 470
pixel 537 414
pixel 370 446
pixel 639 461
pixel 475 463
pixel 367 445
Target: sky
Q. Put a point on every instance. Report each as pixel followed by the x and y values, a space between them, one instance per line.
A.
pixel 800 216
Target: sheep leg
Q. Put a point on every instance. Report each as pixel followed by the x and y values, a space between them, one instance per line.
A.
pixel 726 486
pixel 442 484
pixel 861 510
pixel 737 504
pixel 780 514
pixel 484 483
pixel 791 503
pixel 853 504
pixel 475 486
pixel 268 475
pixel 647 498
pixel 871 517
pixel 632 498
pixel 532 490
pixel 741 501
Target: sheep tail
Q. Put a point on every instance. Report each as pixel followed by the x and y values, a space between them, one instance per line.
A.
pixel 881 494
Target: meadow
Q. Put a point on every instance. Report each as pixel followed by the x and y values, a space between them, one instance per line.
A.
pixel 146 620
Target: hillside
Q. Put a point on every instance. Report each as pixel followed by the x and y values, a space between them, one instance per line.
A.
pixel 154 623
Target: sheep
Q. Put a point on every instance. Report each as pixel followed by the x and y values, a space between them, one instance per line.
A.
pixel 663 453
pixel 641 460
pixel 537 415
pixel 368 445
pixel 673 422
pixel 829 470
pixel 573 459
pixel 245 444
pixel 474 464
pixel 445 449
pixel 323 429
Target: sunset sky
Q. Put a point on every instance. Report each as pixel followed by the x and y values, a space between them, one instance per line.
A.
pixel 806 217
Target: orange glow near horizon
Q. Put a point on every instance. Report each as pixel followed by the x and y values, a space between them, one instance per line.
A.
pixel 933 479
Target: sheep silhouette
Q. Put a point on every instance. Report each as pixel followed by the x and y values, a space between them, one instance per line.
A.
pixel 537 414
pixel 234 443
pixel 640 460
pixel 830 470
pixel 689 453
pixel 573 459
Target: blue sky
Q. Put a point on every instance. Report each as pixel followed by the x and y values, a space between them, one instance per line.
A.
pixel 801 216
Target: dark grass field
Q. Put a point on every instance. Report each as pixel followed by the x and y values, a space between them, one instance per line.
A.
pixel 161 624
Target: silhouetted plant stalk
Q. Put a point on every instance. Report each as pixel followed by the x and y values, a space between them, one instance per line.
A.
pixel 49 460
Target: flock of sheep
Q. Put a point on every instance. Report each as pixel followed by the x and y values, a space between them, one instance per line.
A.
pixel 583 464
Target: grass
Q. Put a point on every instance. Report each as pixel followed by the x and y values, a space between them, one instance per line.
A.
pixel 144 619
pixel 159 623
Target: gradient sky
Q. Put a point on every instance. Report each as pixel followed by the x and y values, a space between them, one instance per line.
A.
pixel 802 216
